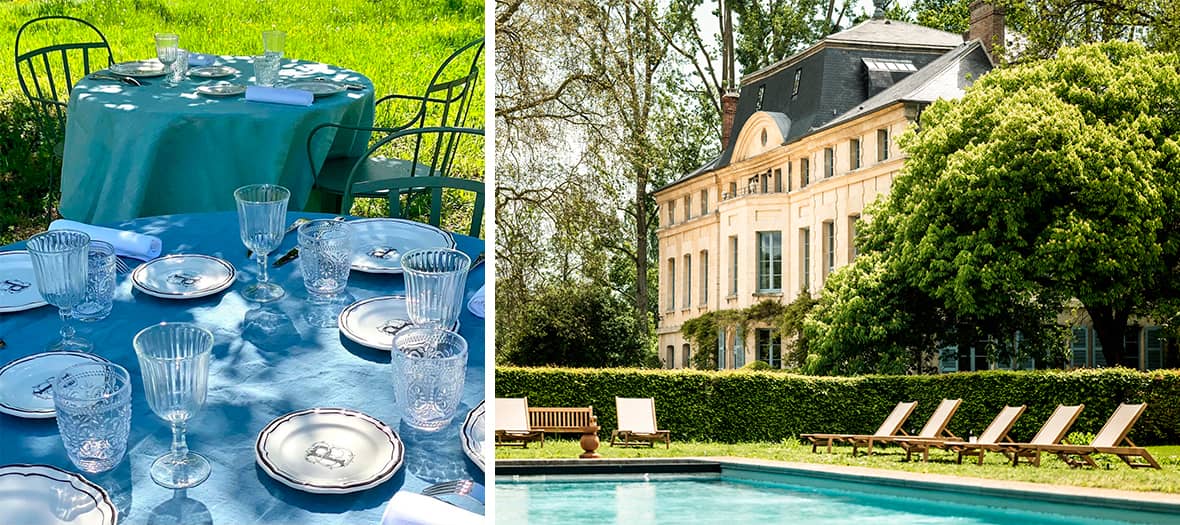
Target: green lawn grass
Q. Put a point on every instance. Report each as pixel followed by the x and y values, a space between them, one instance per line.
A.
pixel 397 44
pixel 1052 470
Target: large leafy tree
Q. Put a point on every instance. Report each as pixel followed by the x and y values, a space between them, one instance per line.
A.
pixel 1048 182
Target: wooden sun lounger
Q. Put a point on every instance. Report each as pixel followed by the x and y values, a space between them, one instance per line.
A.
pixel 512 423
pixel 890 427
pixel 935 428
pixel 1112 439
pixel 637 423
pixel 996 432
pixel 1052 432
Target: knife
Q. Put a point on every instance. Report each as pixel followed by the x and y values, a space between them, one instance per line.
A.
pixel 287 257
pixel 478 261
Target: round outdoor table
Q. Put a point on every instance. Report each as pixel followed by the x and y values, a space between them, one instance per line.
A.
pixel 152 150
pixel 267 361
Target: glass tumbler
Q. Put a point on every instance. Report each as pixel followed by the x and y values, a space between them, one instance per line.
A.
pixel 179 69
pixel 325 257
pixel 174 360
pixel 93 405
pixel 100 283
pixel 428 368
pixel 266 70
pixel 273 42
pixel 435 278
pixel 59 263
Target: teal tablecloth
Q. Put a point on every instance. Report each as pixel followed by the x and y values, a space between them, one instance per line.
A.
pixel 151 150
pixel 267 361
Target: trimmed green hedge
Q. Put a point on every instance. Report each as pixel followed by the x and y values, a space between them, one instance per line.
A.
pixel 745 406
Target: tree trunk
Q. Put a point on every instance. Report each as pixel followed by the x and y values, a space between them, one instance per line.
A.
pixel 1109 325
pixel 641 249
pixel 728 78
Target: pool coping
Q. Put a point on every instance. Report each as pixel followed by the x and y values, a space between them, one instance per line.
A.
pixel 1157 502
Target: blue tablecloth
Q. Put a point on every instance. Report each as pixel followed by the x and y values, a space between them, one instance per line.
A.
pixel 267 361
pixel 141 151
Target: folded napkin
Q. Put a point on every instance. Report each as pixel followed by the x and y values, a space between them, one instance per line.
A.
pixel 294 97
pixel 408 508
pixel 476 303
pixel 127 244
pixel 199 60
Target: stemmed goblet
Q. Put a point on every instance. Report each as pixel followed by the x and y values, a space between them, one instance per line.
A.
pixel 174 360
pixel 60 265
pixel 166 50
pixel 262 209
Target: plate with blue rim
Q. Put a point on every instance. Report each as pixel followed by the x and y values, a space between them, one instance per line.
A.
pixel 18 283
pixel 473 434
pixel 47 494
pixel 26 384
pixel 183 276
pixel 378 244
pixel 373 322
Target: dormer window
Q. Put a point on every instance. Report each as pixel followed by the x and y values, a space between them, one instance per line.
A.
pixel 764 137
pixel 798 77
pixel 758 101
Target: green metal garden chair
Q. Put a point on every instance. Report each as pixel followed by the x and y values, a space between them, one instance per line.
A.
pixel 445 103
pixel 429 179
pixel 47 74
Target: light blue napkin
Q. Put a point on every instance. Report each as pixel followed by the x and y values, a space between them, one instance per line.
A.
pixel 199 60
pixel 293 97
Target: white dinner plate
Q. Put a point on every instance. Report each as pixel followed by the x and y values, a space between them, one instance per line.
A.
pixel 26 384
pixel 183 276
pixel 329 451
pixel 472 437
pixel 222 90
pixel 45 494
pixel 378 244
pixel 212 72
pixel 373 322
pixel 140 69
pixel 319 88
pixel 18 284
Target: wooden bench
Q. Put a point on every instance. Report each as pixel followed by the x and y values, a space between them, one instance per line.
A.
pixel 568 420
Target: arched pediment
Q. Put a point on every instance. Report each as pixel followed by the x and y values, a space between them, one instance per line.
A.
pixel 762 132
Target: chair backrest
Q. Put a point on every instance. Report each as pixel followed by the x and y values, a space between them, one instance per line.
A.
pixel 512 414
pixel 1119 424
pixel 46 74
pixel 432 176
pixel 1000 426
pixel 940 418
pixel 449 94
pixel 636 414
pixel 896 419
pixel 1057 426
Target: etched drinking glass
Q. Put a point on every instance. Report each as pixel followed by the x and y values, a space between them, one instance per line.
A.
pixel 100 283
pixel 166 50
pixel 262 209
pixel 93 406
pixel 266 70
pixel 428 368
pixel 59 263
pixel 435 278
pixel 325 257
pixel 174 360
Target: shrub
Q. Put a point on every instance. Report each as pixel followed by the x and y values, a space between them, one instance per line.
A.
pixel 29 170
pixel 744 406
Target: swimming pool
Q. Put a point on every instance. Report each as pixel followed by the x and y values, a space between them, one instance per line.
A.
pixel 741 495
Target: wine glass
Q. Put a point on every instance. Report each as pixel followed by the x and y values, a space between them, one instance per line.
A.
pixel 174 361
pixel 262 208
pixel 60 265
pixel 166 50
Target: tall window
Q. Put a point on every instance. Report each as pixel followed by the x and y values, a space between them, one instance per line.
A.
pixel 770 261
pixel 798 78
pixel 829 162
pixel 704 202
pixel 733 265
pixel 1079 347
pixel 733 189
pixel 805 258
pixel 854 154
pixel 671 212
pixel 790 177
pixel 687 301
pixel 853 220
pixel 804 172
pixel 704 256
pixel 778 180
pixel 882 145
pixel 687 207
pixel 670 357
pixel 684 361
pixel 766 182
pixel 671 285
pixel 829 232
pixel 769 345
pixel 1154 344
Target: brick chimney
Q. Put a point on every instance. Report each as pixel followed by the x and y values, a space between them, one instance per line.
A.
pixel 729 103
pixel 987 25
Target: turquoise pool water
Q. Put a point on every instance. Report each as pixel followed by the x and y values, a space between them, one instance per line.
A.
pixel 733 501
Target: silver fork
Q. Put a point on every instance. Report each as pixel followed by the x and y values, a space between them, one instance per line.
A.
pixel 121 267
pixel 460 487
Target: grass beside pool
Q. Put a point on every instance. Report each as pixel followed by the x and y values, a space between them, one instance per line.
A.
pixel 1052 470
